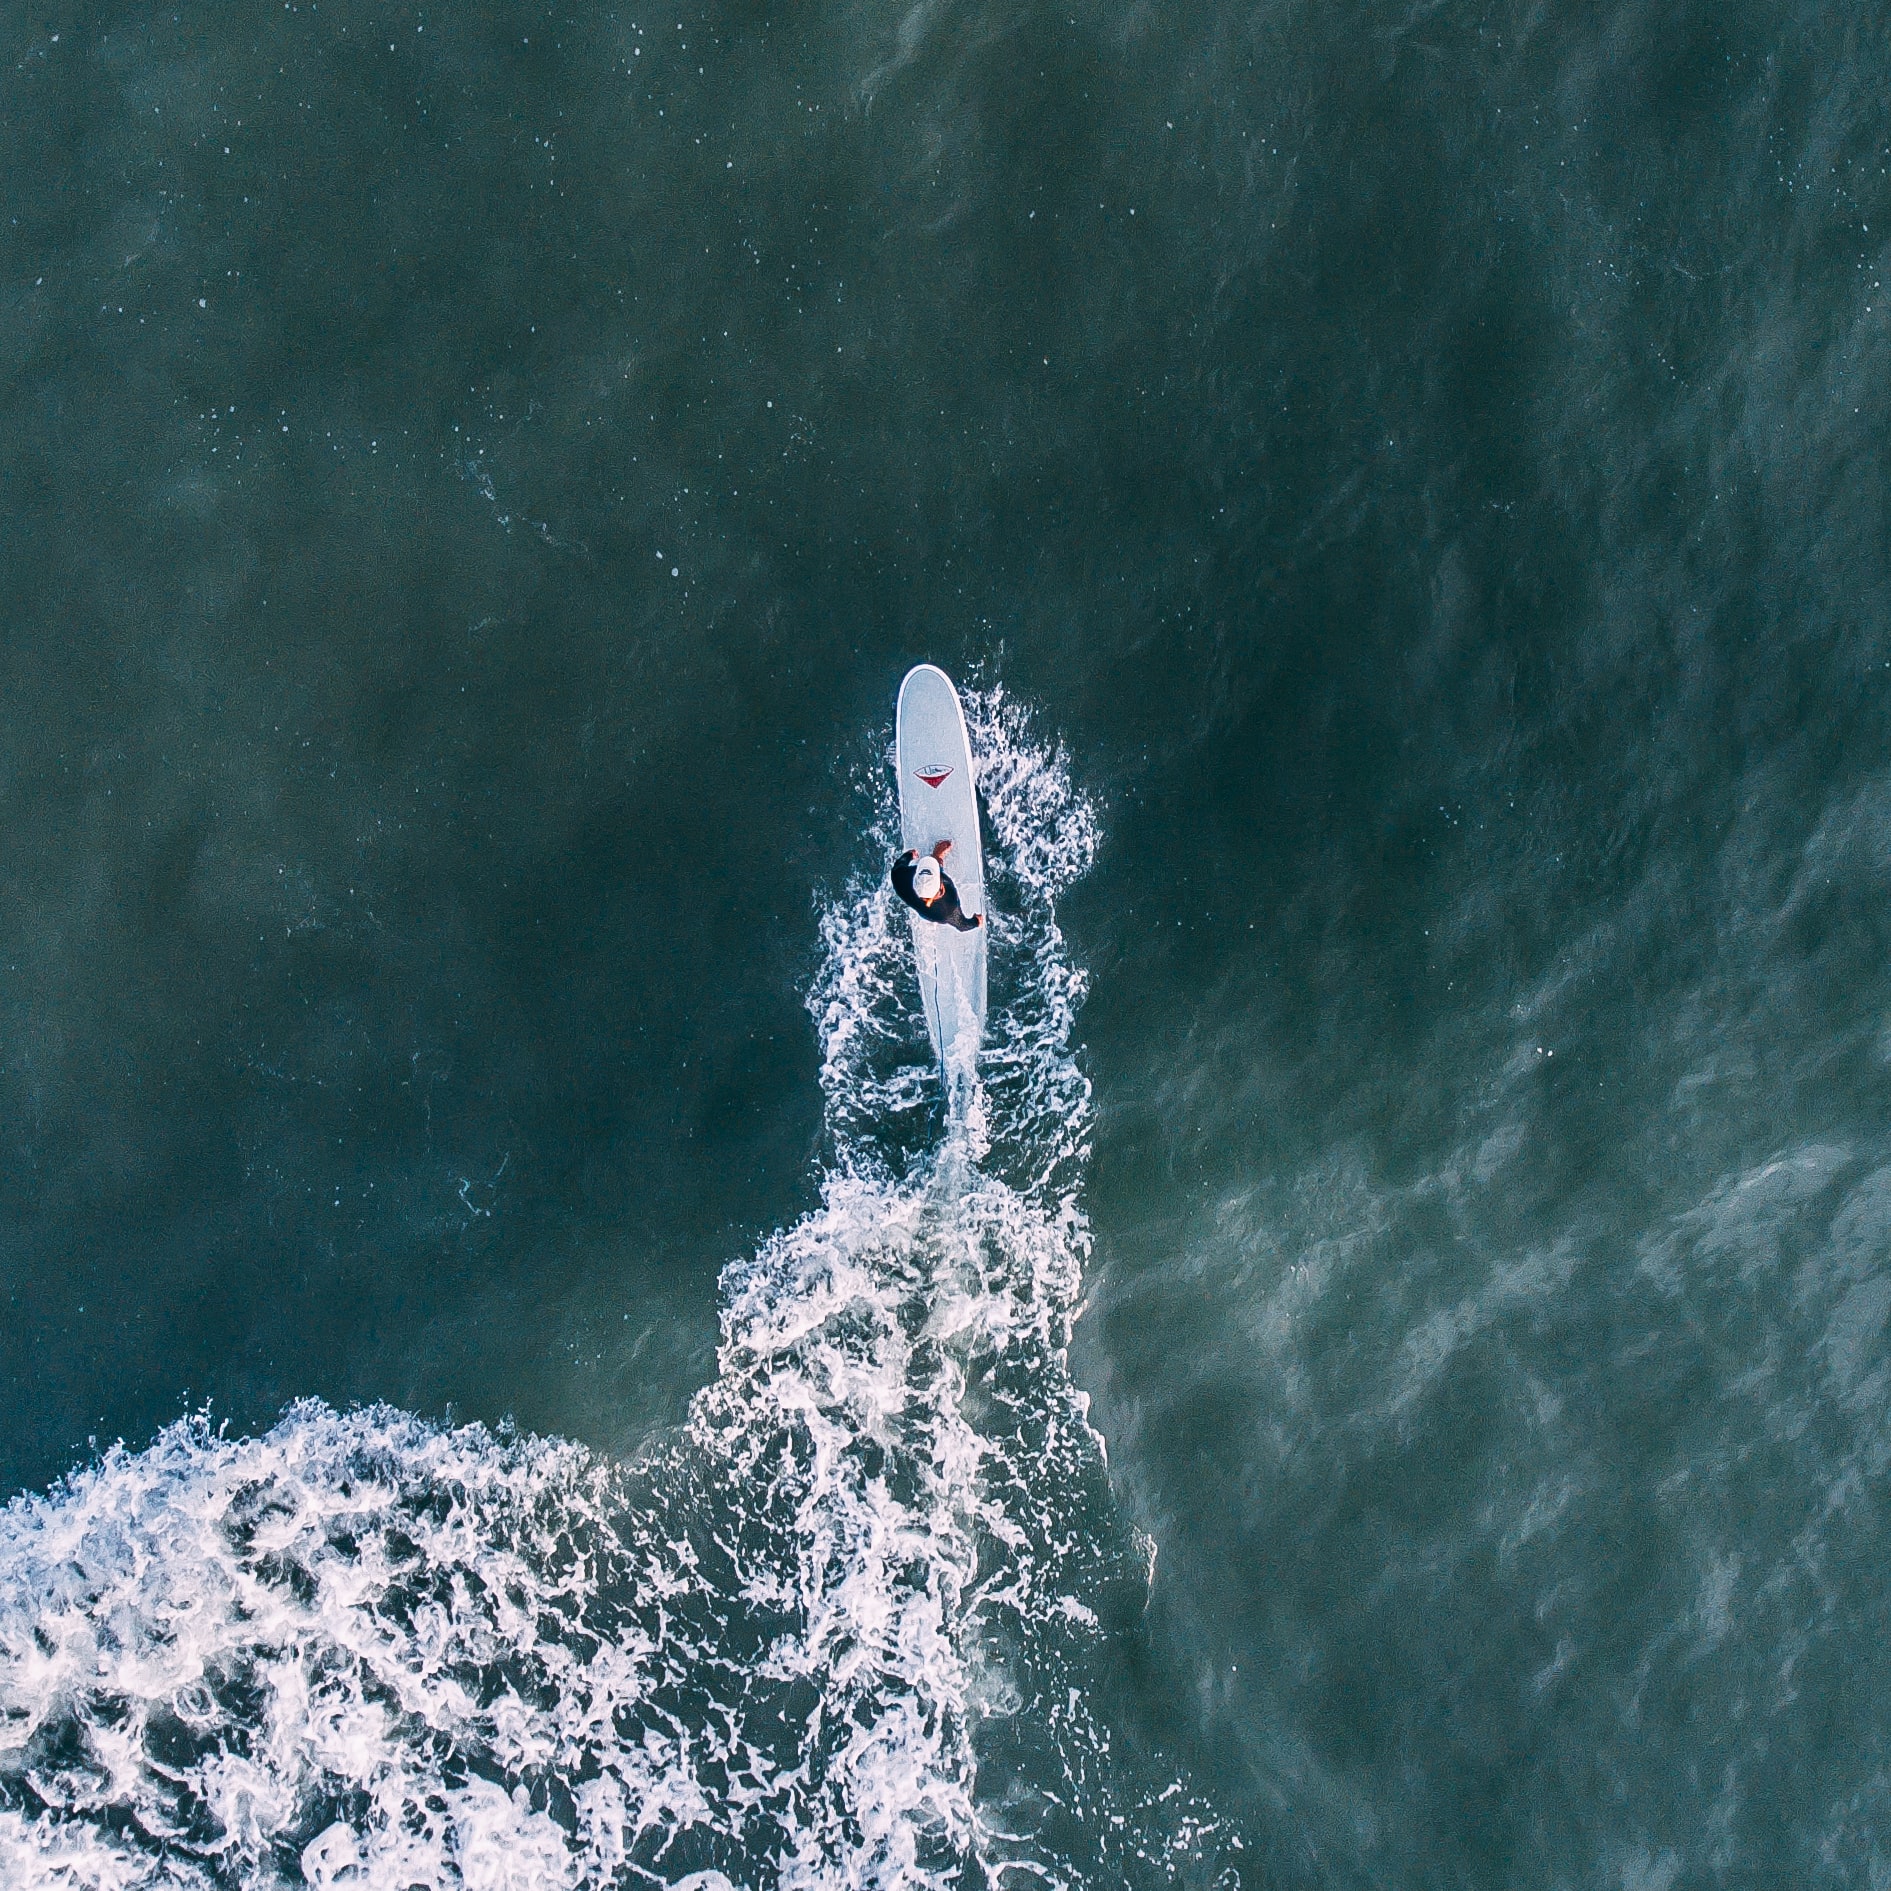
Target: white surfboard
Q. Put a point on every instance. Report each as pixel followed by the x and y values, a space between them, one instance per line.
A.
pixel 939 801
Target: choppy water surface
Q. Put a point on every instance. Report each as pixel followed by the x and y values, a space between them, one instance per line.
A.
pixel 1405 486
pixel 844 1628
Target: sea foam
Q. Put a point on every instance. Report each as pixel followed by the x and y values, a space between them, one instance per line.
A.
pixel 844 1628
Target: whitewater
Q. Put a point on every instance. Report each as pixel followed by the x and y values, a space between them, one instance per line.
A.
pixel 855 1623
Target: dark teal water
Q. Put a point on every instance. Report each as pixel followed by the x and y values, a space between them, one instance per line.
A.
pixel 469 487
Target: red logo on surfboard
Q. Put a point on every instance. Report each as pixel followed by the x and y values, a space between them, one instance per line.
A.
pixel 932 775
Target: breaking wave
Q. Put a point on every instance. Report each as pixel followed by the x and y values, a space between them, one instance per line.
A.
pixel 852 1625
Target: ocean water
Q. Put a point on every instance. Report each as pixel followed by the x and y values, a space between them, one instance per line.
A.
pixel 850 1624
pixel 511 1377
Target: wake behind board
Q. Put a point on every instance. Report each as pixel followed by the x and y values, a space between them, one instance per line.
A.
pixel 939 801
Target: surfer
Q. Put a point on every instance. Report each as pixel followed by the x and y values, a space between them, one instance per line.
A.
pixel 921 881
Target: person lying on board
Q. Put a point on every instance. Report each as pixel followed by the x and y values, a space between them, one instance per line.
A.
pixel 920 880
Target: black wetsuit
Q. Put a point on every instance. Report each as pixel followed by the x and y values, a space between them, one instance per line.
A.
pixel 945 910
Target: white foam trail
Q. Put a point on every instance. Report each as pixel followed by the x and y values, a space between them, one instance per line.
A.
pixel 837 1632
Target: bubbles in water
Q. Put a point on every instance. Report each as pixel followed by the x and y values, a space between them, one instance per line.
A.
pixel 846 1628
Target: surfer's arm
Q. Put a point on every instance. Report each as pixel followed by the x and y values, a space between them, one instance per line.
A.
pixel 902 878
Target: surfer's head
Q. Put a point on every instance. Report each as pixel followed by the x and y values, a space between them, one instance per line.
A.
pixel 928 878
